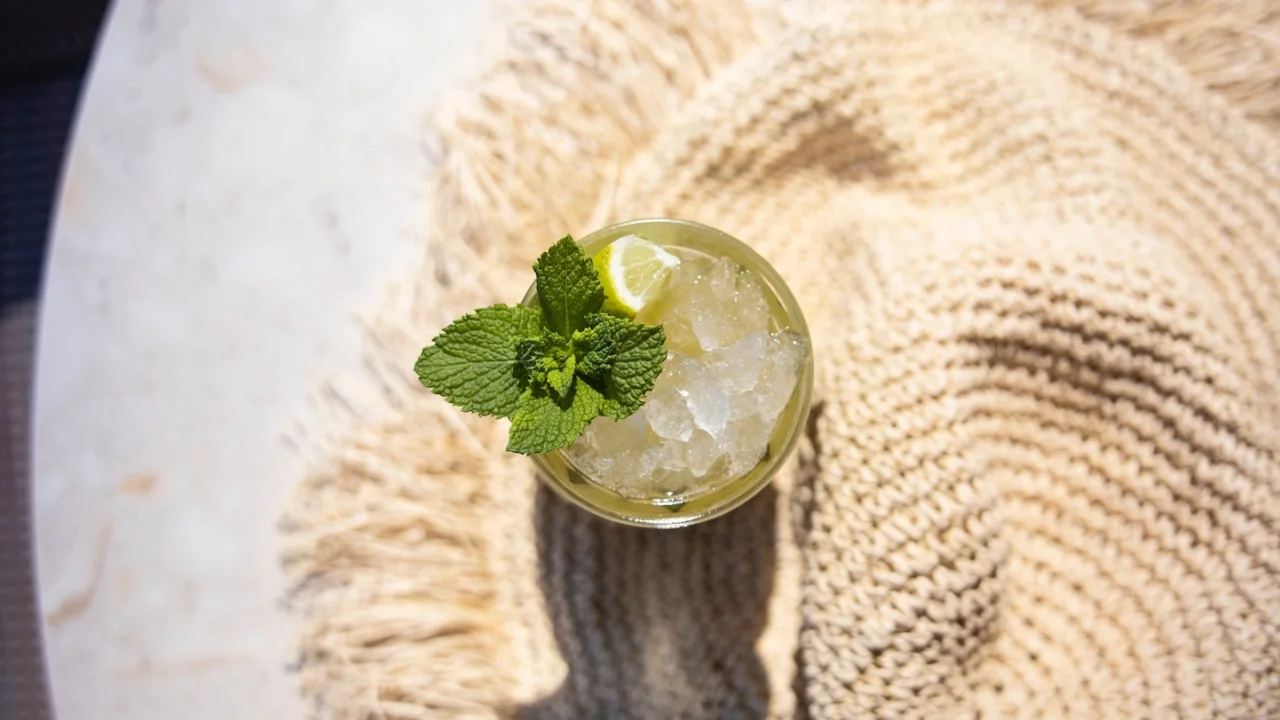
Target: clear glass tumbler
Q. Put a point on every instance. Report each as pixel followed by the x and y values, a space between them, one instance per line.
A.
pixel 716 495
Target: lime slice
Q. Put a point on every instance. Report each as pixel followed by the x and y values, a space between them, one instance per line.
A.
pixel 632 271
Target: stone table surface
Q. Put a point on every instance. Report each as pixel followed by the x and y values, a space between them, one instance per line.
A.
pixel 243 177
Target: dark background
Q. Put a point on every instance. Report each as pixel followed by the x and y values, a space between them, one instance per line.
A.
pixel 45 49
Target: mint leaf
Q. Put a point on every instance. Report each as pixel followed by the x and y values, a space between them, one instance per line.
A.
pixel 568 287
pixel 597 349
pixel 561 379
pixel 473 362
pixel 638 353
pixel 529 353
pixel 548 361
pixel 543 422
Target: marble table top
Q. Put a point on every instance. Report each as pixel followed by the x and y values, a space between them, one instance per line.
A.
pixel 243 178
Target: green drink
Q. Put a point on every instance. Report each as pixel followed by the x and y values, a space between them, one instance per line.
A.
pixel 732 398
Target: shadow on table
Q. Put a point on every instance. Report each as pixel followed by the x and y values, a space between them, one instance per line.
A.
pixel 657 623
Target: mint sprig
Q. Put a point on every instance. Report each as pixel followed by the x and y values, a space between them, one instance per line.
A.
pixel 551 369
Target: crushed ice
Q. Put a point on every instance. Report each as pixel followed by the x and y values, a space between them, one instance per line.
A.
pixel 713 409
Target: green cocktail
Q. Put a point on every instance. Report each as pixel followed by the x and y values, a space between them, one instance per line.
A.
pixel 731 400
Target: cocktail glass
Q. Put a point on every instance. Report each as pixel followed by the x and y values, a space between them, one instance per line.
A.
pixel 732 405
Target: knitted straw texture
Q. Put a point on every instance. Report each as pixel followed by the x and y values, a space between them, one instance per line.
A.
pixel 1040 258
